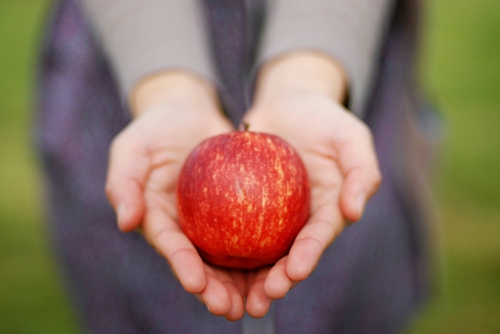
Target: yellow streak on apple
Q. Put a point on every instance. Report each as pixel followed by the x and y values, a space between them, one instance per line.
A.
pixel 264 198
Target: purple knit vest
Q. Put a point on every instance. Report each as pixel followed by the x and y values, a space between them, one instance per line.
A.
pixel 369 281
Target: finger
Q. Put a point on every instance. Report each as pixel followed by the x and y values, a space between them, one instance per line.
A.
pixel 127 172
pixel 166 236
pixel 278 283
pixel 230 281
pixel 358 162
pixel 216 296
pixel 324 225
pixel 258 302
pixel 359 185
pixel 239 278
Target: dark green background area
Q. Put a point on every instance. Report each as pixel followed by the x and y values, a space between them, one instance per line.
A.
pixel 461 74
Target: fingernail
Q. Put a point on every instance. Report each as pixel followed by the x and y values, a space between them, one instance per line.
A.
pixel 360 203
pixel 120 212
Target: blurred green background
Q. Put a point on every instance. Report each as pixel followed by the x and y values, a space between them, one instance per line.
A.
pixel 460 71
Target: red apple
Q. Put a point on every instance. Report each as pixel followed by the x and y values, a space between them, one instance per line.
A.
pixel 242 199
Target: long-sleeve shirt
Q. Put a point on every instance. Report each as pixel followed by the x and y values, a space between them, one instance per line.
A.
pixel 142 37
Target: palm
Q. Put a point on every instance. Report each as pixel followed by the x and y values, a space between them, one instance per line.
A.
pixel 339 157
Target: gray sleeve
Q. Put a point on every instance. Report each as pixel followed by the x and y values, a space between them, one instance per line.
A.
pixel 348 30
pixel 138 36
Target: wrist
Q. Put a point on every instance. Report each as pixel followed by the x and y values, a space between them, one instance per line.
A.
pixel 301 72
pixel 176 87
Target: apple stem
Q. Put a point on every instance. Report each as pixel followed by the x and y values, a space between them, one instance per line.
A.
pixel 246 126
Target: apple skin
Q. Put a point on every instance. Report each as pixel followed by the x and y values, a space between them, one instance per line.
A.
pixel 242 198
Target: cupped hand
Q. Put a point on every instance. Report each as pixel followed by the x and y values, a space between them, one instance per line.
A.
pixel 145 162
pixel 338 153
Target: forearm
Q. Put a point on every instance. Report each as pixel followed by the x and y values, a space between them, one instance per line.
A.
pixel 350 31
pixel 301 72
pixel 144 37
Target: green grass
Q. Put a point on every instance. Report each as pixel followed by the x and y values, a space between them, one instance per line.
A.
pixel 461 73
pixel 32 299
pixel 461 70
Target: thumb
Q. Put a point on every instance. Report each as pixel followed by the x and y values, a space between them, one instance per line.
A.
pixel 359 165
pixel 127 172
pixel 359 185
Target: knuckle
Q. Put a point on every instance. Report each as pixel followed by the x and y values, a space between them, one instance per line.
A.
pixel 108 189
pixel 116 142
pixel 365 132
pixel 376 178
